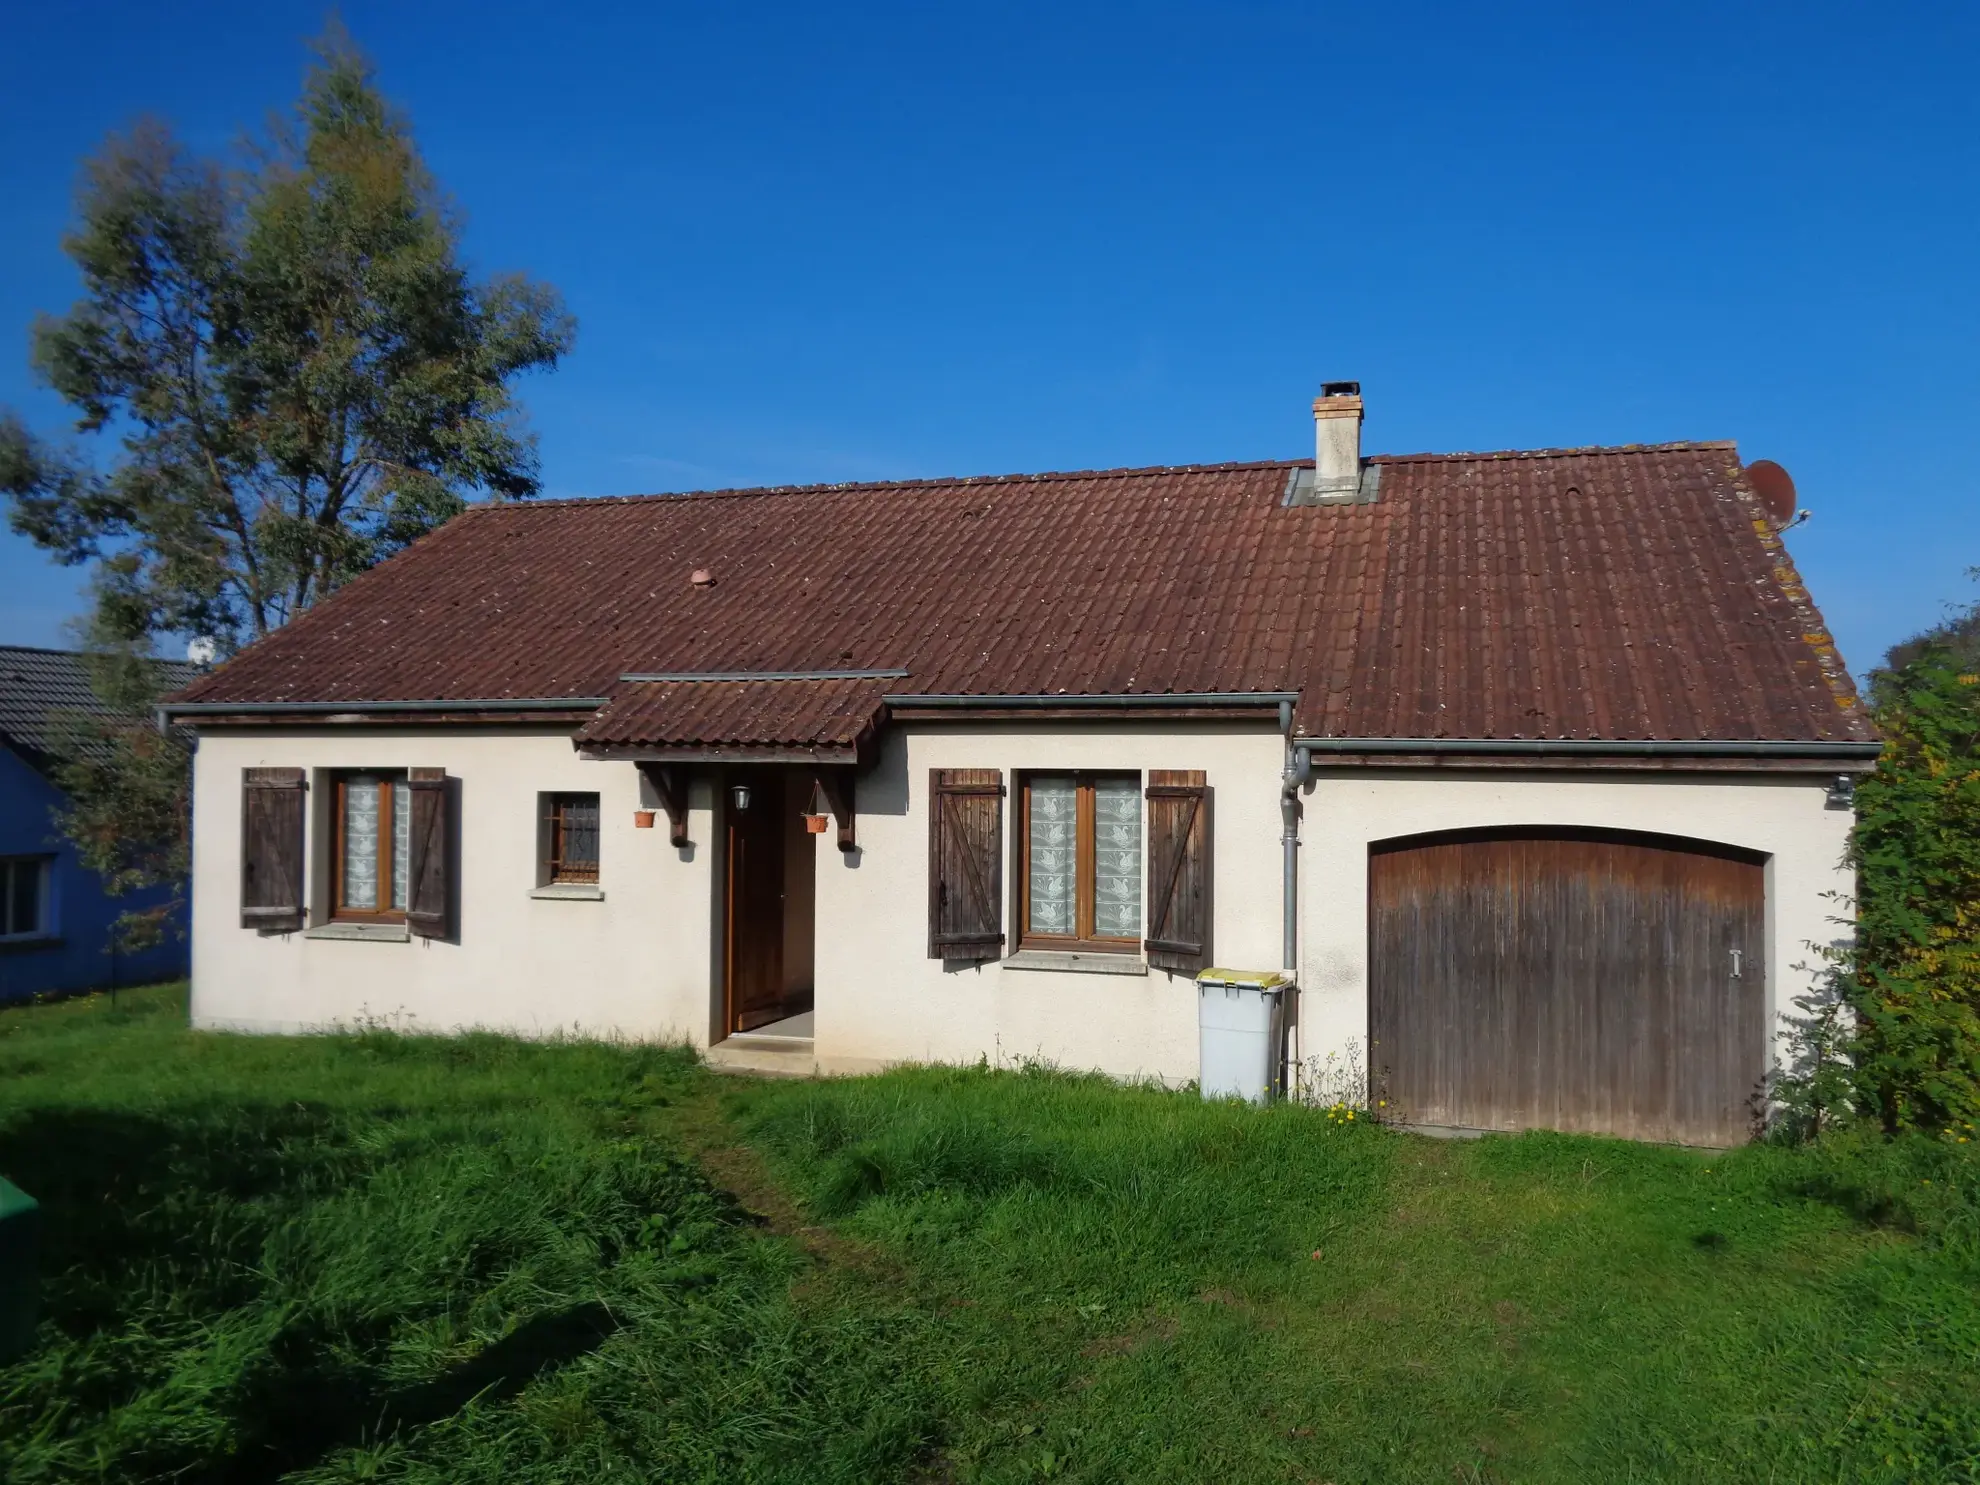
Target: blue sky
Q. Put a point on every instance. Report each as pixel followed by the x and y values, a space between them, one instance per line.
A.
pixel 821 243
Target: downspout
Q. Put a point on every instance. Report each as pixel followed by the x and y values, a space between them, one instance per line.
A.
pixel 1299 768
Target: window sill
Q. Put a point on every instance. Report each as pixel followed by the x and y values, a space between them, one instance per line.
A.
pixel 570 892
pixel 1078 963
pixel 381 933
pixel 27 941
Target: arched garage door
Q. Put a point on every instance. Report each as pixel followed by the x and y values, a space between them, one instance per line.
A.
pixel 1578 980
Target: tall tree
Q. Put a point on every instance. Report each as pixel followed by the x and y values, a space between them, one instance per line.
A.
pixel 1957 634
pixel 296 376
pixel 299 372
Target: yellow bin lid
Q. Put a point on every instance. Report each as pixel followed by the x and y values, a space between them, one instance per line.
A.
pixel 1249 979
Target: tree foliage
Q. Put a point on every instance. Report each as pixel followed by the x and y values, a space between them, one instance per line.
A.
pixel 1957 634
pixel 1914 969
pixel 299 373
pixel 295 376
pixel 126 783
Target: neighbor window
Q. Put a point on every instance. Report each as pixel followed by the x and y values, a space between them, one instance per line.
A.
pixel 570 838
pixel 1081 872
pixel 23 896
pixel 373 845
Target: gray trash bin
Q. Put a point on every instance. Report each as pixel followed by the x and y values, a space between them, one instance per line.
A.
pixel 1239 1025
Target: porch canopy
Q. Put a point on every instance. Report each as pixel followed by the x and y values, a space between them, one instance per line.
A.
pixel 821 716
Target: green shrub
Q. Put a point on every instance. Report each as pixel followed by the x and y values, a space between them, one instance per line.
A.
pixel 1912 976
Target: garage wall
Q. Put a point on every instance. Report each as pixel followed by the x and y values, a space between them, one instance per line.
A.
pixel 1785 816
pixel 635 963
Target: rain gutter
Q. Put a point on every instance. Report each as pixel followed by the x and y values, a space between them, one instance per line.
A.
pixel 1583 747
pixel 1280 699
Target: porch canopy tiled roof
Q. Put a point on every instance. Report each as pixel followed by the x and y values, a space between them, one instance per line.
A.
pixel 1636 593
pixel 821 717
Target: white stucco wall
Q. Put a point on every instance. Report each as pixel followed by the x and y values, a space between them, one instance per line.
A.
pixel 1784 815
pixel 634 964
pixel 642 962
pixel 880 998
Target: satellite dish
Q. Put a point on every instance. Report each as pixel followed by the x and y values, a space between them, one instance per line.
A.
pixel 202 650
pixel 1775 487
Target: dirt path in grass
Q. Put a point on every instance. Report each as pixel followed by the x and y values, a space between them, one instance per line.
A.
pixel 705 1132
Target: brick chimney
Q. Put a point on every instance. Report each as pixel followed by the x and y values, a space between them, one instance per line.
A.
pixel 1337 441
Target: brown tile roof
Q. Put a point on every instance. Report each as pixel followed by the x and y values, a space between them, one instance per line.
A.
pixel 1629 593
pixel 823 719
pixel 40 689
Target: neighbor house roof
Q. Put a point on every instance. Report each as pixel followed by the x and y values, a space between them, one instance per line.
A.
pixel 38 686
pixel 1615 593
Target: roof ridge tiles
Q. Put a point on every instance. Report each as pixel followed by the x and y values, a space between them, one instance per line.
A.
pixel 970 481
pixel 1683 447
pixel 961 481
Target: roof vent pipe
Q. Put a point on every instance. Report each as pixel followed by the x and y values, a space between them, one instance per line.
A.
pixel 1337 440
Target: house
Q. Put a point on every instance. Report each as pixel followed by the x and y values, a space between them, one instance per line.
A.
pixel 55 917
pixel 1533 767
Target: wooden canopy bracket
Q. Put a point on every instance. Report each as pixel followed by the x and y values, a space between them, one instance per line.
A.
pixel 670 787
pixel 836 785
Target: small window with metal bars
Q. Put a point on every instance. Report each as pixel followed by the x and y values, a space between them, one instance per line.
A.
pixel 570 838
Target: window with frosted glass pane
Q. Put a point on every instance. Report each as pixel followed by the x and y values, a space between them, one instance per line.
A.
pixel 401 845
pixel 374 843
pixel 361 807
pixel 1054 855
pixel 1117 858
pixel 1083 860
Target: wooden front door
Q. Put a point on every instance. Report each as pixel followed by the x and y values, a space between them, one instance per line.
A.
pixel 1583 981
pixel 755 948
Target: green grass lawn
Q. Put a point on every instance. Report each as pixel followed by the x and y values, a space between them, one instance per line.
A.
pixel 373 1257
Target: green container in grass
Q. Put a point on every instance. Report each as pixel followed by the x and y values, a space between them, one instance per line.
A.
pixel 20 1231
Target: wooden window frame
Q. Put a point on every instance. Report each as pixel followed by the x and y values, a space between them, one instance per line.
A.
pixel 393 795
pixel 1083 939
pixel 551 869
pixel 44 885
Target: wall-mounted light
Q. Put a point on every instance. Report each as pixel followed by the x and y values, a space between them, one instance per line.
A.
pixel 739 796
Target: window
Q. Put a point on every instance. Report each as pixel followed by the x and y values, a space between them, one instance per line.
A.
pixel 1081 873
pixel 373 845
pixel 24 897
pixel 570 838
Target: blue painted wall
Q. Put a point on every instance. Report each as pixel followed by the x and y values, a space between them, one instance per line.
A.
pixel 78 956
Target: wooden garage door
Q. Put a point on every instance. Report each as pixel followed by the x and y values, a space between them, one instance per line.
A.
pixel 1584 981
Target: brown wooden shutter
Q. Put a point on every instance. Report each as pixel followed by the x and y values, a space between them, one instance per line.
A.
pixel 965 863
pixel 427 876
pixel 272 849
pixel 1178 870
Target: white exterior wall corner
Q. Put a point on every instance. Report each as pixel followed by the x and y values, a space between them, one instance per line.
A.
pixel 1785 816
pixel 634 965
pixel 882 1000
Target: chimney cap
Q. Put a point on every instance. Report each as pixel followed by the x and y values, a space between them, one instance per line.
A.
pixel 1340 389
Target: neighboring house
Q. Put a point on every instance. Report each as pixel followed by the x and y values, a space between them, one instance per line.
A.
pixel 1566 747
pixel 55 917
